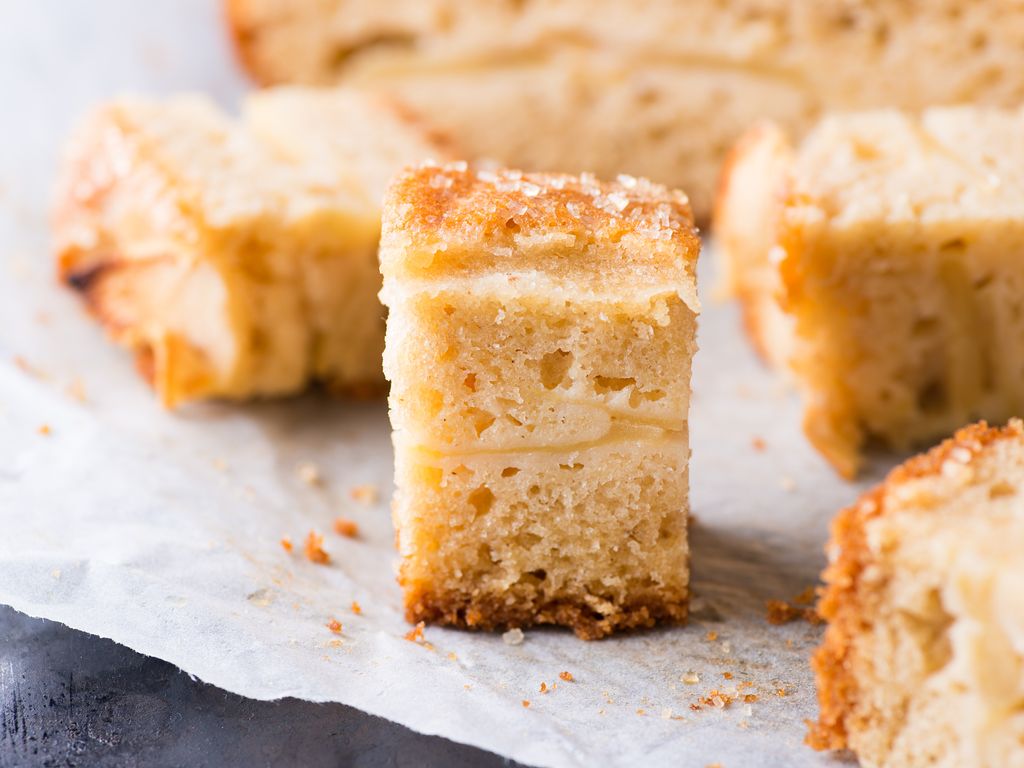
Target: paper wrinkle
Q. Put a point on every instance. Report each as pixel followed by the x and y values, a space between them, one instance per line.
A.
pixel 162 530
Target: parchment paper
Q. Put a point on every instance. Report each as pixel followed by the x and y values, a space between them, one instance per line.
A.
pixel 161 531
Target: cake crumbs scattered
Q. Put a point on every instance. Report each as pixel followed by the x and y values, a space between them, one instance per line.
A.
pixel 758 444
pixel 514 636
pixel 356 608
pixel 314 548
pixel 335 626
pixel 781 612
pixel 566 676
pixel 345 527
pixel 365 494
pixel 415 635
pixel 286 544
pixel 714 698
pixel 309 473
pixel 544 687
pixel 749 698
pixel 727 675
pixel 44 429
pixel 526 703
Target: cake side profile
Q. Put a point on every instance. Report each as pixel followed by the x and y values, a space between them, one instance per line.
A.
pixel 232 264
pixel 606 87
pixel 540 333
pixel 871 260
pixel 922 661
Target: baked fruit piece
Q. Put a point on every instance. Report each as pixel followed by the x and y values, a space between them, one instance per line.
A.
pixel 606 86
pixel 236 258
pixel 877 261
pixel 540 334
pixel 923 658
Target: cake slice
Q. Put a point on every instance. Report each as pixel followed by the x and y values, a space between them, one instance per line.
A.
pixel 236 258
pixel 604 86
pixel 923 659
pixel 878 261
pixel 540 333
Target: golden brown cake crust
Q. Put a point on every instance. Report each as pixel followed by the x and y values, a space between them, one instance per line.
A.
pixel 841 601
pixel 490 613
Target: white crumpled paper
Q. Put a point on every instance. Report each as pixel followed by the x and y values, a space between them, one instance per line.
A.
pixel 161 531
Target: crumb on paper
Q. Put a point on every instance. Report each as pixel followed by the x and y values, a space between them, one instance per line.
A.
pixel 335 626
pixel 566 676
pixel 781 692
pixel 356 608
pixel 309 473
pixel 76 390
pixel 452 656
pixel 715 699
pixel 690 678
pixel 514 636
pixel 44 429
pixel 780 612
pixel 314 549
pixel 749 698
pixel 727 675
pixel 286 544
pixel 758 444
pixel 544 687
pixel 345 527
pixel 526 703
pixel 787 483
pixel 365 494
pixel 415 635
pixel 711 636
pixel 641 712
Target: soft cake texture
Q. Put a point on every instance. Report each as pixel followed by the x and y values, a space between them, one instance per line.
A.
pixel 923 658
pixel 879 262
pixel 539 339
pixel 657 88
pixel 236 258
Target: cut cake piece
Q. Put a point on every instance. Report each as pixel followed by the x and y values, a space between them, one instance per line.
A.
pixel 923 659
pixel 658 88
pixel 237 259
pixel 877 262
pixel 540 334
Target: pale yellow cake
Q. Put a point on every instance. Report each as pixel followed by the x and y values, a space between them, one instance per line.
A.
pixel 539 340
pixel 658 88
pixel 923 659
pixel 236 258
pixel 878 261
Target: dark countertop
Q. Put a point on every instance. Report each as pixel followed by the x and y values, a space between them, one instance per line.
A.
pixel 72 699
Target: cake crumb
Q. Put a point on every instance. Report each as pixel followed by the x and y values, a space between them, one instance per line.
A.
pixel 780 612
pixel 690 678
pixel 335 626
pixel 543 687
pixel 286 544
pixel 314 548
pixel 356 608
pixel 750 698
pixel 44 429
pixel 309 473
pixel 452 656
pixel 712 636
pixel 365 494
pixel 415 635
pixel 641 712
pixel 514 636
pixel 758 444
pixel 345 527
pixel 727 675
pixel 566 676
pixel 781 692
pixel 526 703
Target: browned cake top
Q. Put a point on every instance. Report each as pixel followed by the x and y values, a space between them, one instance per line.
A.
pixel 441 220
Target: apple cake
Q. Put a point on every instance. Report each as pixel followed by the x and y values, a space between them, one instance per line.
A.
pixel 659 88
pixel 236 258
pixel 539 340
pixel 923 659
pixel 874 260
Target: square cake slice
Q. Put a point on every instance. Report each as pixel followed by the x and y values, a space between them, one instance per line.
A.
pixel 236 258
pixel 880 262
pixel 923 659
pixel 540 334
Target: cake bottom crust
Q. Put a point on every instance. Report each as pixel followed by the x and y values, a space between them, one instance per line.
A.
pixel 490 612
